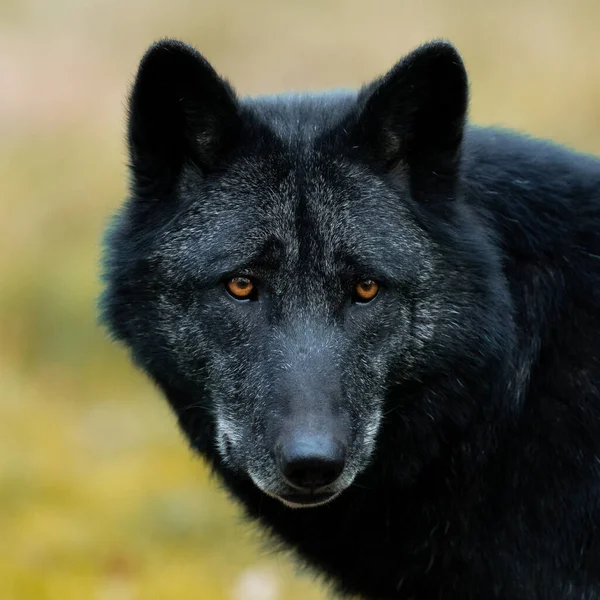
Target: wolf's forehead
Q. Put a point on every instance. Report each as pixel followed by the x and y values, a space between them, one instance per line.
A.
pixel 295 208
pixel 313 198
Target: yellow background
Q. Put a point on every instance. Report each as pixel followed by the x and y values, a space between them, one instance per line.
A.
pixel 99 496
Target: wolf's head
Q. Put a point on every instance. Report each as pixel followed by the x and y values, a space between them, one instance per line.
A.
pixel 292 269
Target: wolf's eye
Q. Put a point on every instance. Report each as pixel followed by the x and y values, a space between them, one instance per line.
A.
pixel 241 288
pixel 365 290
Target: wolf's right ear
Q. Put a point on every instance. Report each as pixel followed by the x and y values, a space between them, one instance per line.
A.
pixel 179 110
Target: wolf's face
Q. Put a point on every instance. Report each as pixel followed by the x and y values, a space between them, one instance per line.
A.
pixel 277 271
pixel 286 290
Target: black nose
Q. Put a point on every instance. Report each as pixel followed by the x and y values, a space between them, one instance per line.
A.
pixel 310 462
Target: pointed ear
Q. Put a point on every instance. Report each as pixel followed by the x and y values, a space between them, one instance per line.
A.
pixel 179 110
pixel 412 119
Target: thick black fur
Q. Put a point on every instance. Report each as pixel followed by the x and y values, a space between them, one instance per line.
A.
pixel 467 393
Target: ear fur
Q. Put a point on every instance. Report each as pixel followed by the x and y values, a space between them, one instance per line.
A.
pixel 179 109
pixel 413 118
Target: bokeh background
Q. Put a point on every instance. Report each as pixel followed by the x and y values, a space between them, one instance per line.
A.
pixel 99 496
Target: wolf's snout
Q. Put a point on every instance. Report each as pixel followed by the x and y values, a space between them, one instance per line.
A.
pixel 309 462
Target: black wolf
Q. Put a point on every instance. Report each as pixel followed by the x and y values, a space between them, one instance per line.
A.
pixel 378 324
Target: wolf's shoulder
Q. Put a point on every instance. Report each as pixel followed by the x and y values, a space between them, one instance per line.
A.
pixel 500 152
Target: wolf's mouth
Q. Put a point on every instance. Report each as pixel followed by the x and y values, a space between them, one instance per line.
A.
pixel 307 500
pixel 294 499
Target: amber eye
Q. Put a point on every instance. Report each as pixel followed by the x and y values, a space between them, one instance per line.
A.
pixel 241 288
pixel 365 290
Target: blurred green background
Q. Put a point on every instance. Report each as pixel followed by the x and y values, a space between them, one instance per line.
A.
pixel 99 496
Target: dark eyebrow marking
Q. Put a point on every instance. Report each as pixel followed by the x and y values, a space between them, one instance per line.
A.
pixel 351 266
pixel 267 257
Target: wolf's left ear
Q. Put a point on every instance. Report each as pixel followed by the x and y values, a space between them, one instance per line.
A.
pixel 412 119
pixel 180 110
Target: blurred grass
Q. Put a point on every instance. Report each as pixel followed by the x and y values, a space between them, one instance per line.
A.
pixel 99 496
